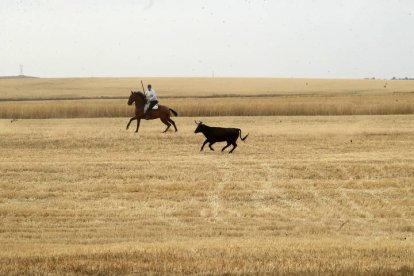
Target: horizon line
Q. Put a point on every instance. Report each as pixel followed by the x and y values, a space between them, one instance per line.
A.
pixel 202 77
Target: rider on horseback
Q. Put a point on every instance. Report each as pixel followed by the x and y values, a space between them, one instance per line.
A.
pixel 151 99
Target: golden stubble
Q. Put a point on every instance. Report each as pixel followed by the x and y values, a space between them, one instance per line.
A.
pixel 300 195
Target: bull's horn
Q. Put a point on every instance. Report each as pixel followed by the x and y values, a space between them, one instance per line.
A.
pixel 196 122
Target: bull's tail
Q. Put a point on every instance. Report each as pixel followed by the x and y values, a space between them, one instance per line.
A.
pixel 173 111
pixel 243 138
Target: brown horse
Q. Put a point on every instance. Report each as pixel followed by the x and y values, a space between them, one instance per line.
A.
pixel 163 112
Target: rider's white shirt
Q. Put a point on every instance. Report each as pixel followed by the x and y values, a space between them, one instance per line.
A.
pixel 151 96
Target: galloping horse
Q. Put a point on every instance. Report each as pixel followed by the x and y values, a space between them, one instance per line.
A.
pixel 163 112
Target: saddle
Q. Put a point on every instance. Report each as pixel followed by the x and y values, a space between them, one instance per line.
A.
pixel 147 105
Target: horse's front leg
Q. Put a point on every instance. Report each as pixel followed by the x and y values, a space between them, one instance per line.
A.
pixel 138 122
pixel 133 118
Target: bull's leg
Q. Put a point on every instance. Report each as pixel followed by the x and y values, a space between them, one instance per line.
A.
pixel 234 146
pixel 130 121
pixel 205 142
pixel 167 124
pixel 138 123
pixel 209 145
pixel 225 147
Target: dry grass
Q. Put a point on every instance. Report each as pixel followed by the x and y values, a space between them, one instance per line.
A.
pixel 385 104
pixel 81 98
pixel 302 195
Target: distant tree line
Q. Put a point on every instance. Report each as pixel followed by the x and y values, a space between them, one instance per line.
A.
pixel 406 78
pixel 393 78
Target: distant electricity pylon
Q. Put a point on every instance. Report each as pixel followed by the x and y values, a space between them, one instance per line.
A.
pixel 21 69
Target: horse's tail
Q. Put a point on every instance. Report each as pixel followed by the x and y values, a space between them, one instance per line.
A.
pixel 243 138
pixel 173 111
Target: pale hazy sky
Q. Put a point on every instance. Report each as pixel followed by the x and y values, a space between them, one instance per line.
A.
pixel 248 38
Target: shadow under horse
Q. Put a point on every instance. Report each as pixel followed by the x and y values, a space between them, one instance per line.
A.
pixel 162 112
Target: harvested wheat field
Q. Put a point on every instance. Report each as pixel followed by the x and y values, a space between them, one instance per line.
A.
pixel 302 195
pixel 70 88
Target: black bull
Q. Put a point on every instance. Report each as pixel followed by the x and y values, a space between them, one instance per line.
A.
pixel 219 134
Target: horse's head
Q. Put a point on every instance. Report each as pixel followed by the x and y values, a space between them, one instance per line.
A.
pixel 199 127
pixel 135 96
pixel 131 98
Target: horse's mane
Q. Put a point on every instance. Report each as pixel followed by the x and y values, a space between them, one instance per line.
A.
pixel 140 94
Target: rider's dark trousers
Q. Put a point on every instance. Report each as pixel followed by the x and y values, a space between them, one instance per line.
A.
pixel 151 105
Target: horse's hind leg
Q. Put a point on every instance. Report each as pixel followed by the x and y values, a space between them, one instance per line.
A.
pixel 173 123
pixel 165 121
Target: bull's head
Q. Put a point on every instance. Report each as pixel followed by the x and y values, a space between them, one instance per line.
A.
pixel 199 126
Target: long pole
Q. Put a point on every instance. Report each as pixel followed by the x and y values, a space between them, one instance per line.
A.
pixel 145 98
pixel 143 90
